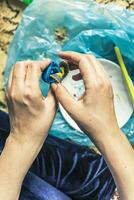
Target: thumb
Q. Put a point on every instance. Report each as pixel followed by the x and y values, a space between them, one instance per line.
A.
pixel 63 97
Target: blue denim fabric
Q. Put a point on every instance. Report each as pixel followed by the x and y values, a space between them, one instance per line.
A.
pixel 63 171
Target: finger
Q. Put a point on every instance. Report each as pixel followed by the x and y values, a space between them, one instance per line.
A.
pixel 71 56
pixel 44 64
pixel 51 101
pixel 88 65
pixel 88 73
pixel 19 74
pixel 35 69
pixel 80 60
pixel 97 65
pixel 76 58
pixel 64 97
pixel 33 75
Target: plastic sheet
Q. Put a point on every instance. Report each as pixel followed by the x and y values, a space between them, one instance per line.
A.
pixel 49 26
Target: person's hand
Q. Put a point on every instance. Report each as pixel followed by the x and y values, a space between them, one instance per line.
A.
pixel 94 111
pixel 31 115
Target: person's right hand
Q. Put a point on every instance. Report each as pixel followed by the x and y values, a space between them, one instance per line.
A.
pixel 94 113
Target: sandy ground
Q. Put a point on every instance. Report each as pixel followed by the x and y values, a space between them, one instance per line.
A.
pixel 10 15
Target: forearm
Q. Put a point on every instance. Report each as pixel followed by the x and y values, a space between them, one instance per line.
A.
pixel 15 161
pixel 119 156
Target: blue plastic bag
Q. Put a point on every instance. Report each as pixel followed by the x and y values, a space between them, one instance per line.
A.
pixel 49 26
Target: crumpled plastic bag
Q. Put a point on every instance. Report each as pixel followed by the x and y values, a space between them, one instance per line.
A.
pixel 49 26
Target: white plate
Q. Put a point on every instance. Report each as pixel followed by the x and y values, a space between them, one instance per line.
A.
pixel 122 101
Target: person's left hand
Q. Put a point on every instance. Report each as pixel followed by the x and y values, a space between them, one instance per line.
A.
pixel 31 115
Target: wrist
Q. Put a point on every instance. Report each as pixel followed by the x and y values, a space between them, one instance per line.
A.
pixel 19 155
pixel 24 146
pixel 26 140
pixel 108 139
pixel 101 136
